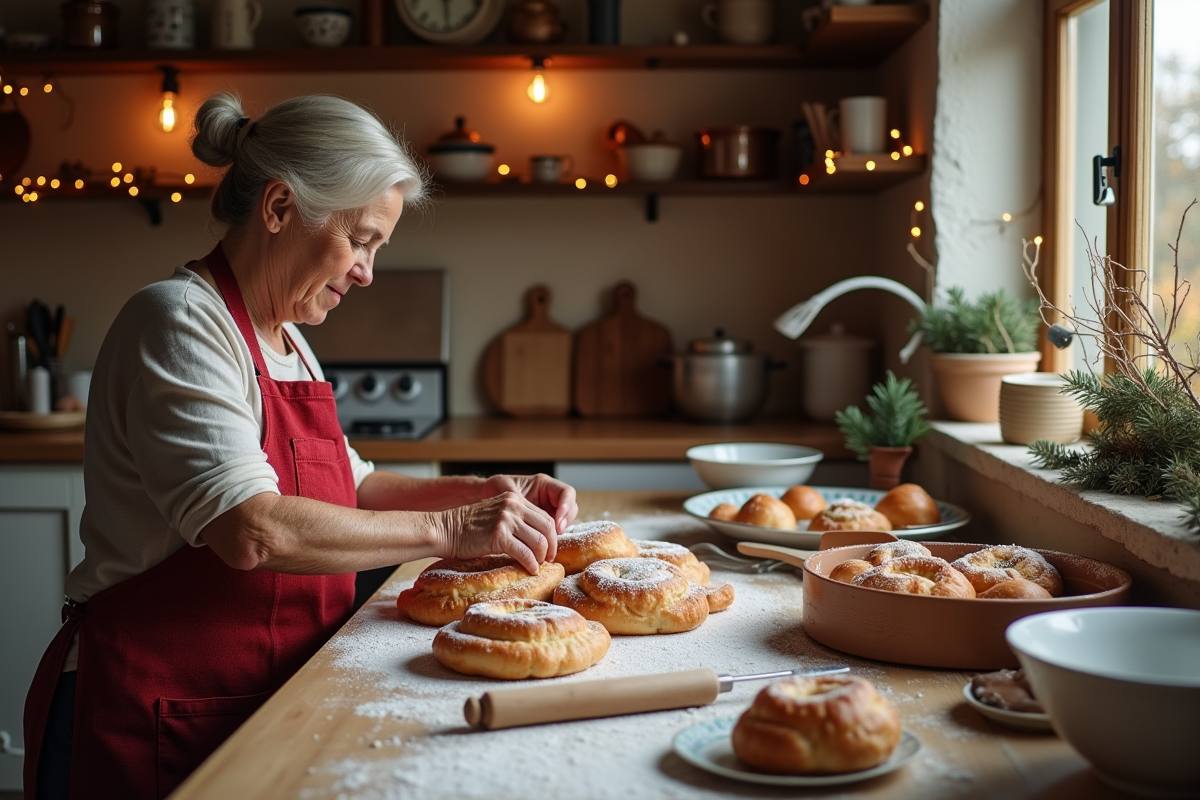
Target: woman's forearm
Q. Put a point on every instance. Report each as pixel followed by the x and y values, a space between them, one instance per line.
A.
pixel 382 491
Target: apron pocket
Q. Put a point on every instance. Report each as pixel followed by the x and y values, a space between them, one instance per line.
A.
pixel 190 730
pixel 323 471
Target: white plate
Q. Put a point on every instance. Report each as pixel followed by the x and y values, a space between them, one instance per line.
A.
pixel 699 506
pixel 1021 720
pixel 707 746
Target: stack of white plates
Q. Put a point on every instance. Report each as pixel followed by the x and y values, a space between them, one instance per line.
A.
pixel 1032 408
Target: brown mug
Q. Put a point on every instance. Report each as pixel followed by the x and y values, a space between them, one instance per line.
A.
pixel 90 24
pixel 535 22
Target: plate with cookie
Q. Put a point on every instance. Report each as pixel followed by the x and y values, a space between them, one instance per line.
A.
pixel 797 516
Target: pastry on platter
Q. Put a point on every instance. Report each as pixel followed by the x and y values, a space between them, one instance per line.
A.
pixel 444 590
pixel 585 542
pixel 917 575
pixel 908 505
pixel 804 501
pixel 693 568
pixel 845 514
pixel 726 512
pixel 516 639
pixel 992 565
pixel 817 725
pixel 638 596
pixel 766 512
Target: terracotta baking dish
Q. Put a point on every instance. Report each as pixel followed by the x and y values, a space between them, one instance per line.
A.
pixel 939 631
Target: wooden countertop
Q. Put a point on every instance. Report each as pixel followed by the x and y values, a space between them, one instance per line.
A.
pixel 502 439
pixel 374 715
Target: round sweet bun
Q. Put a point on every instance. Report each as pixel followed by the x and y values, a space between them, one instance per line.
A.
pixel 917 575
pixel 804 501
pixel 847 571
pixel 516 639
pixel 992 565
pixel 1016 589
pixel 845 514
pixel 638 596
pixel 766 512
pixel 444 590
pixel 726 512
pixel 581 544
pixel 693 568
pixel 898 549
pixel 820 725
pixel 908 505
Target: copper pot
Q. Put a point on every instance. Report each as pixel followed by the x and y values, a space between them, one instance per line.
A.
pixel 741 151
pixel 535 22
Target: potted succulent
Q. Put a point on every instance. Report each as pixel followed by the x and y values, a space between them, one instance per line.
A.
pixel 885 437
pixel 974 345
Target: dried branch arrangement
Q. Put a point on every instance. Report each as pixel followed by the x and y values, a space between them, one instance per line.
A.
pixel 1148 442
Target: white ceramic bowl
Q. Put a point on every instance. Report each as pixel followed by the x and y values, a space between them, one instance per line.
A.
pixel 650 162
pixel 462 166
pixel 734 464
pixel 1122 685
pixel 322 26
pixel 1032 408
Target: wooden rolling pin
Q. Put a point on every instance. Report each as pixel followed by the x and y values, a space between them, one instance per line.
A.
pixel 610 697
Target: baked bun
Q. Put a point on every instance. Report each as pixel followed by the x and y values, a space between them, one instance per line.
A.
pixel 908 505
pixel 693 568
pixel 809 726
pixel 638 596
pixel 847 571
pixel 992 565
pixel 442 593
pixel 897 549
pixel 1016 589
pixel 767 512
pixel 849 515
pixel 917 575
pixel 726 512
pixel 804 501
pixel 516 639
pixel 581 544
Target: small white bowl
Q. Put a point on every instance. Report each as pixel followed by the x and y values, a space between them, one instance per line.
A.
pixel 732 465
pixel 323 26
pixel 1032 408
pixel 1122 685
pixel 650 162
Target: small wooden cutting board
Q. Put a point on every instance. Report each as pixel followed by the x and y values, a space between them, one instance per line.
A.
pixel 527 369
pixel 617 371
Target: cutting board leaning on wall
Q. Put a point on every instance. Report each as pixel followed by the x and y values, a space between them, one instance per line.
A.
pixel 527 369
pixel 617 371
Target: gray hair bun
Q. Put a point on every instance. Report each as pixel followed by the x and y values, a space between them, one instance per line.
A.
pixel 215 139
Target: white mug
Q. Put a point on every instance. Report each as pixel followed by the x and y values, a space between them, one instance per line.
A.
pixel 171 24
pixel 233 24
pixel 863 124
pixel 550 169
pixel 741 21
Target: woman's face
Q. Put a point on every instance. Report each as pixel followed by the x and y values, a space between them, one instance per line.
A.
pixel 323 266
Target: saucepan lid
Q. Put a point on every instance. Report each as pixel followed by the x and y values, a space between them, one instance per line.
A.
pixel 719 345
pixel 461 140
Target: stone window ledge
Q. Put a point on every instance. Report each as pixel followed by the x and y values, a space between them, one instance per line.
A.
pixel 1151 530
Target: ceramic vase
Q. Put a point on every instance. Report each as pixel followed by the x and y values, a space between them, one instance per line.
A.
pixel 969 384
pixel 886 464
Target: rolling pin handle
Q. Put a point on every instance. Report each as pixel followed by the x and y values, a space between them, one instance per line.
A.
pixel 473 711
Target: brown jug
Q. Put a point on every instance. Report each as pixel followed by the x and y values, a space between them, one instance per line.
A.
pixel 535 22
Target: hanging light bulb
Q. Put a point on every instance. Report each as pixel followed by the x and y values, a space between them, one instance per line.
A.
pixel 538 91
pixel 170 87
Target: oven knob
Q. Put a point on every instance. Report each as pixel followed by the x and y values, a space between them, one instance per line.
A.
pixel 339 384
pixel 406 387
pixel 370 388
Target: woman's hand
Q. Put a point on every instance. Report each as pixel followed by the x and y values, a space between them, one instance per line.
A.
pixel 552 496
pixel 506 523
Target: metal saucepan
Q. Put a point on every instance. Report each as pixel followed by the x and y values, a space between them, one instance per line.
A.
pixel 741 151
pixel 720 380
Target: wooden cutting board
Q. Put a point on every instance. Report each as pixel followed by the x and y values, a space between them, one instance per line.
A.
pixel 527 369
pixel 617 370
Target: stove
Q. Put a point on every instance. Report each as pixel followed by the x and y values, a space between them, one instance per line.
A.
pixel 389 400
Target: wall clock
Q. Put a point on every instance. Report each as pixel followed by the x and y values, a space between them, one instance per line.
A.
pixel 451 21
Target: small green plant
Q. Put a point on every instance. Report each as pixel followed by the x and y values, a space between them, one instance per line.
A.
pixel 995 323
pixel 896 419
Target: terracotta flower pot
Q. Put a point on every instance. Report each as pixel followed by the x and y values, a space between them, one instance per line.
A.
pixel 886 464
pixel 969 384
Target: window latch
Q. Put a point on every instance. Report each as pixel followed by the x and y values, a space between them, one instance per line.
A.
pixel 1102 193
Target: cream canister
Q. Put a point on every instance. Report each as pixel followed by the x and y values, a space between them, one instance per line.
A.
pixel 836 372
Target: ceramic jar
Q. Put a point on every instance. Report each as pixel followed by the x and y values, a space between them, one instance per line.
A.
pixel 836 372
pixel 90 24
pixel 535 22
pixel 171 24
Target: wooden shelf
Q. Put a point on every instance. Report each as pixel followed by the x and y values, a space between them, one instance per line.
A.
pixel 851 175
pixel 846 36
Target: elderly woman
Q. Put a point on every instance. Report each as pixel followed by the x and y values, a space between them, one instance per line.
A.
pixel 226 513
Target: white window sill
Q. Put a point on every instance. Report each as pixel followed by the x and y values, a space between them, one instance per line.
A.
pixel 1151 530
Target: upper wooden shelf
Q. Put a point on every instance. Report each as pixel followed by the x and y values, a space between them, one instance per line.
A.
pixel 846 36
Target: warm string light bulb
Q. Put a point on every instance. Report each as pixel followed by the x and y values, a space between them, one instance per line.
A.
pixel 170 87
pixel 537 90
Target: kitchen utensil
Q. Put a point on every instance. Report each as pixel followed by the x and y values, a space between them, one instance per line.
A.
pixel 1032 407
pixel 90 24
pixel 649 162
pixel 535 22
pixel 610 697
pixel 729 465
pixel 741 151
pixel 707 745
pixel 863 124
pixel 461 155
pixel 616 362
pixel 1020 720
pixel 720 380
pixel 698 506
pixel 550 169
pixel 835 372
pixel 323 26
pixel 951 633
pixel 718 558
pixel 38 326
pixel 527 369
pixel 53 421
pixel 171 24
pixel 1122 686
pixel 234 23
pixel 604 21
pixel 741 21
pixel 66 331
pixel 786 555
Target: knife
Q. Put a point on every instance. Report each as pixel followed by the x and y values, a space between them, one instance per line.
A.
pixel 610 697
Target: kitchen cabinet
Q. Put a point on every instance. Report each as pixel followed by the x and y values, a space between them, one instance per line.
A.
pixel 40 508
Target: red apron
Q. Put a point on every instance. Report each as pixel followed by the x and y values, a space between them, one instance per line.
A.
pixel 173 660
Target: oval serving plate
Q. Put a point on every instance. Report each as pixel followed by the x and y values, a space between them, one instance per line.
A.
pixel 1021 720
pixel 953 516
pixel 707 745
